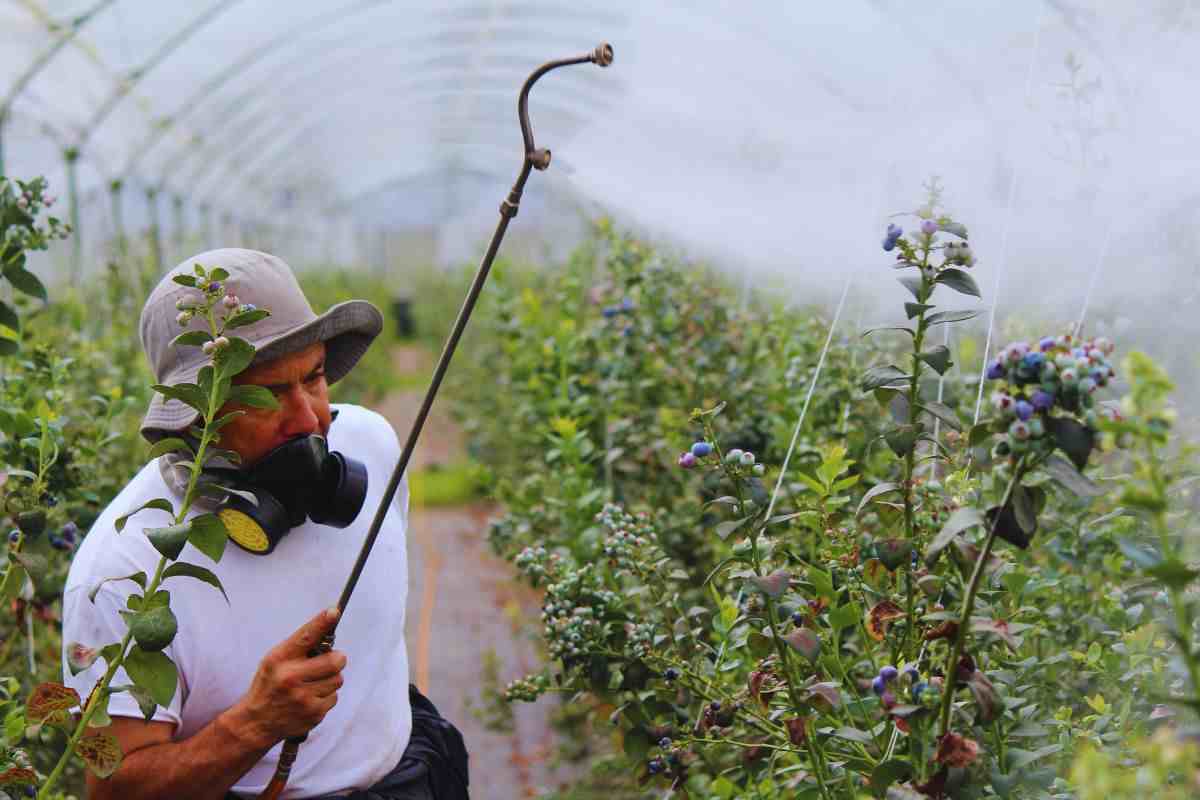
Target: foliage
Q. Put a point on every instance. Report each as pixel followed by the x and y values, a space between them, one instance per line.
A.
pixel 844 626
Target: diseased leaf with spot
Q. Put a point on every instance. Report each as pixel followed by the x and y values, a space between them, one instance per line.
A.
pixel 48 699
pixel 880 616
pixel 101 752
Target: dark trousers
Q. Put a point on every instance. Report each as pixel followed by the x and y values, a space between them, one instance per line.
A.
pixel 434 765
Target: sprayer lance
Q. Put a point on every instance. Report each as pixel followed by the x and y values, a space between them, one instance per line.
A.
pixel 535 158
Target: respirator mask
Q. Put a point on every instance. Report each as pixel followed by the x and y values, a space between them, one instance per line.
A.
pixel 301 479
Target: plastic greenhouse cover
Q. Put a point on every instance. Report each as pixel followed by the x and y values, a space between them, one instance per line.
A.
pixel 775 136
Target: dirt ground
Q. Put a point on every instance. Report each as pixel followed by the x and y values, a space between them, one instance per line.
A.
pixel 464 607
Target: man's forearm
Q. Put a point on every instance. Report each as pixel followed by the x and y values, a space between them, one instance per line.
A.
pixel 202 767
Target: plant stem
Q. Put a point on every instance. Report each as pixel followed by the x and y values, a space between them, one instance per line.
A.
pixel 910 457
pixel 964 620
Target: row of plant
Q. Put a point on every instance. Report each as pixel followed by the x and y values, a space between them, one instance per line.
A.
pixel 914 606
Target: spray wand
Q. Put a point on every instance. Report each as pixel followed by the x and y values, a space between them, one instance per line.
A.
pixel 535 158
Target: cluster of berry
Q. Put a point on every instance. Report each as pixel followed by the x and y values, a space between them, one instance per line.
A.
pixel 958 253
pixel 611 311
pixel 920 691
pixel 64 540
pixel 735 457
pixel 526 690
pixel 1059 373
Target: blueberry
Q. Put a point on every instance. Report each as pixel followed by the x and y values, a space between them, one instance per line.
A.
pixel 249 307
pixel 929 227
pixel 627 304
pixel 889 674
pixel 995 371
pixel 879 685
pixel 701 449
pixel 917 689
pixel 1024 410
pixel 655 766
pixel 14 536
pixel 664 742
pixel 894 231
pixel 911 673
pixel 715 705
pixel 57 542
pixel 609 312
pixel 1042 400
pixel 671 674
pixel 1033 359
pixel 1019 430
pixel 687 460
pixel 1047 343
pixel 797 618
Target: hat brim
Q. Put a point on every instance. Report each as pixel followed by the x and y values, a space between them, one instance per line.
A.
pixel 347 329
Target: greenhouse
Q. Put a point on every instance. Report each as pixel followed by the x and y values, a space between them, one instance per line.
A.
pixel 578 400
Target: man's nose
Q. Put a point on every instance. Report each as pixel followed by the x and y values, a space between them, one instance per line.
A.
pixel 299 413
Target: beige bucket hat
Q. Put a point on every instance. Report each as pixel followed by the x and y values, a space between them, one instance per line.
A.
pixel 268 282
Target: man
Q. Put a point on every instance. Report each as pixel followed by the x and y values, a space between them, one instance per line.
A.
pixel 246 682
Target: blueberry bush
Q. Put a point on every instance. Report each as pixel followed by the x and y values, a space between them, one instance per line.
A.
pixel 912 603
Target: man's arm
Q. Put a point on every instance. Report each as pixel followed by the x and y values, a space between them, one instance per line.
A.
pixel 289 695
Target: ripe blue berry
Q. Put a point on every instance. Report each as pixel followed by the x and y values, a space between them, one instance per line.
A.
pixel 701 449
pixel 889 673
pixel 664 742
pixel 1041 400
pixel 655 766
pixel 1024 410
pixel 797 618
pixel 995 371
pixel 917 689
pixel 879 685
pixel 57 542
pixel 928 227
pixel 609 312
pixel 1047 343
pixel 14 536
pixel 671 674
pixel 627 304
pixel 687 460
pixel 715 705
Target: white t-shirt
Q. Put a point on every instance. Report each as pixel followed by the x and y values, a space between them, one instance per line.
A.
pixel 219 645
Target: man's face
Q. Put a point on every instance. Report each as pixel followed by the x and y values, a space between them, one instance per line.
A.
pixel 298 383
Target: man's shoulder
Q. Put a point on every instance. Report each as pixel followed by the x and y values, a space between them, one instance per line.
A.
pixel 360 425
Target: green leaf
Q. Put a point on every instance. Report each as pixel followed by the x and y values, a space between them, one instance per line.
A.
pixel 1137 554
pixel 153 628
pixel 854 735
pixel 878 377
pixel 888 772
pixel 218 274
pixel 169 541
pixel 902 439
pixel 26 282
pixel 254 396
pixel 980 433
pixel 246 318
pixel 154 672
pixel 187 393
pixel 725 528
pixel 234 357
pixel 636 743
pixel 962 519
pixel 185 280
pixel 8 346
pixel 909 331
pixel 14 582
pixel 805 642
pixel 913 283
pixel 875 491
pixel 169 445
pixel 8 317
pixel 1073 438
pixel 845 616
pixel 184 569
pixel 822 582
pixel 959 281
pixel 138 577
pixel 916 309
pixel 943 412
pixel 209 535
pixel 1172 572
pixel 938 358
pixel 191 339
pixel 949 316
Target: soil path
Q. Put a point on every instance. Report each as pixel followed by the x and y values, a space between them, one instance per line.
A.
pixel 463 606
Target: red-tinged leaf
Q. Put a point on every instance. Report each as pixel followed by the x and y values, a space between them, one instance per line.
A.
pixel 49 698
pixel 995 626
pixel 824 696
pixel 80 657
pixel 772 585
pixel 947 630
pixel 797 729
pixel 805 642
pixel 879 617
pixel 956 751
pixel 101 753
pixel 986 699
pixel 17 776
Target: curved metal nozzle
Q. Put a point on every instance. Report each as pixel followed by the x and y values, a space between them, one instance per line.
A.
pixel 603 54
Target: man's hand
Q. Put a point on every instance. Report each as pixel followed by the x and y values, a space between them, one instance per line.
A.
pixel 290 692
